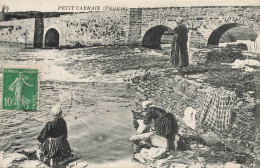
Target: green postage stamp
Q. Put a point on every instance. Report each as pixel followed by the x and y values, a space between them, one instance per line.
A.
pixel 20 88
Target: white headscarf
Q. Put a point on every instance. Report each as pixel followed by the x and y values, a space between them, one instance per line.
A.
pixel 56 110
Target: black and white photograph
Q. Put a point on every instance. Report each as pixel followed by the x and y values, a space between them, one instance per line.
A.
pixel 129 84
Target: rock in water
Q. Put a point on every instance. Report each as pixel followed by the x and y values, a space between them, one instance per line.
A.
pixel 29 150
pixel 73 158
pixel 30 153
pixel 178 165
pixel 219 165
pixel 158 141
pixel 139 158
pixel 139 137
pixel 161 142
pixel 7 159
pixel 232 165
pixel 77 164
pixel 197 165
pixel 152 153
pixel 32 163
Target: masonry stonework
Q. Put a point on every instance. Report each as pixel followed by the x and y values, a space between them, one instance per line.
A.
pixel 128 27
pixel 17 31
pixel 134 36
pixel 201 21
pixel 90 29
pixel 38 31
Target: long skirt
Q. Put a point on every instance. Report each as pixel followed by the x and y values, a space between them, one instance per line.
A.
pixel 184 54
pixel 55 148
pixel 175 58
pixel 166 125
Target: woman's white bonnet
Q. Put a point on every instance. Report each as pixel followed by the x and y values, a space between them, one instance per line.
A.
pixel 56 110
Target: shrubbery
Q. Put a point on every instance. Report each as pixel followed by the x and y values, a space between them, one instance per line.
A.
pixel 232 79
pixel 239 46
pixel 225 55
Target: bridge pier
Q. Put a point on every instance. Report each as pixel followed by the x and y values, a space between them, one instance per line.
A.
pixel 135 25
pixel 38 31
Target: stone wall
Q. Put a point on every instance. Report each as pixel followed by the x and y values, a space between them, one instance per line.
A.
pixel 134 36
pixel 17 31
pixel 128 27
pixel 201 21
pixel 92 28
pixel 175 93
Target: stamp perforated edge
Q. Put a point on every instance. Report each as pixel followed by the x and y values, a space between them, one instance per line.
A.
pixel 19 66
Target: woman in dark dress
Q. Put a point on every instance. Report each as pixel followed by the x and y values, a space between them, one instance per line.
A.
pixel 182 40
pixel 175 58
pixel 165 123
pixel 54 145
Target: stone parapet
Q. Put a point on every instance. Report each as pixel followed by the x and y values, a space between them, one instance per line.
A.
pixel 17 31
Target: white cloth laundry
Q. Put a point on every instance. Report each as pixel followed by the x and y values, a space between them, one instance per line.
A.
pixel 189 117
pixel 141 126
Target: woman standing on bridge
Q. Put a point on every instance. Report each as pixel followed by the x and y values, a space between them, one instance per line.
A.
pixel 181 46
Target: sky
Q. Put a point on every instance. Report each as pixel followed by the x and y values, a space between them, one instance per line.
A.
pixel 56 5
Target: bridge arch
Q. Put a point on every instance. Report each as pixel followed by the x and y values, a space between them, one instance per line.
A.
pixel 218 32
pixel 152 37
pixel 52 38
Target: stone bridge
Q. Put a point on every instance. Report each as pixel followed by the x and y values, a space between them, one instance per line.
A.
pixel 135 26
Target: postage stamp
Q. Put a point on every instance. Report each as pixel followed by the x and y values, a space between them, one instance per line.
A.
pixel 20 89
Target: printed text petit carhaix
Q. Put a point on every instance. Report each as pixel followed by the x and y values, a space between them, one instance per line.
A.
pixel 90 8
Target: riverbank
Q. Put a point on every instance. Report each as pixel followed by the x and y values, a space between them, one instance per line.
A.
pixel 176 90
pixel 27 159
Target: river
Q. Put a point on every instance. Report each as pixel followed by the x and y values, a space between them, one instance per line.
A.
pixel 99 120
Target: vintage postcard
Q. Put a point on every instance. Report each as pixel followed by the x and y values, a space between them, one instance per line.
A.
pixel 129 84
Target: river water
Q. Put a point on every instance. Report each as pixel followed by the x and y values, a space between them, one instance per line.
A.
pixel 99 120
